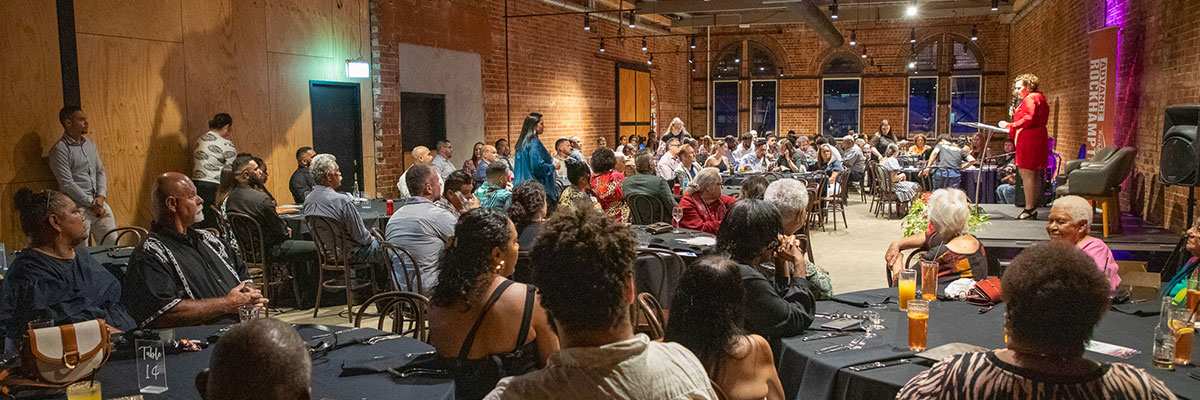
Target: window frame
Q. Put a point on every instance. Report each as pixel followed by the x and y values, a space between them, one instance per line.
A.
pixel 979 106
pixel 908 107
pixel 776 110
pixel 712 103
pixel 821 119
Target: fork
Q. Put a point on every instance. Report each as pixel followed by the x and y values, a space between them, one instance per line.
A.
pixel 858 342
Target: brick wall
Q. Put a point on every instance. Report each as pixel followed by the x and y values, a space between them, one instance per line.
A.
pixel 884 88
pixel 1158 67
pixel 553 68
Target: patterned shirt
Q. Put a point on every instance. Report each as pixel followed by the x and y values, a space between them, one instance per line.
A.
pixel 170 267
pixel 984 376
pixel 570 197
pixel 213 152
pixel 491 195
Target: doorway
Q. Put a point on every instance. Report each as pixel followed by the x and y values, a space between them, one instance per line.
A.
pixel 422 122
pixel 633 101
pixel 337 128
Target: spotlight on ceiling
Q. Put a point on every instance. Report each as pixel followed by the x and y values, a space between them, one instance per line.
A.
pixel 995 5
pixel 632 20
pixel 833 10
pixel 912 35
pixel 864 53
pixel 644 44
pixel 650 61
pixel 911 10
pixel 601 45
pixel 974 33
pixel 693 43
pixel 853 37
pixel 587 22
pixel 912 64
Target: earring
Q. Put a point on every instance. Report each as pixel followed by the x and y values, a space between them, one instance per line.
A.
pixel 500 267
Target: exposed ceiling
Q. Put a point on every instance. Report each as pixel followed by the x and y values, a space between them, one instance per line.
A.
pixel 703 13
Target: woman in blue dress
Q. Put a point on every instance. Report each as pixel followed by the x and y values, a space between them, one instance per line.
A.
pixel 532 161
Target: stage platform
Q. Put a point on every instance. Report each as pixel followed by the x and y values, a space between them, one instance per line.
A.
pixel 1139 241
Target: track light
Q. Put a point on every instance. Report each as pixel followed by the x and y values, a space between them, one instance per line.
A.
pixel 601 45
pixel 781 72
pixel 912 35
pixel 737 60
pixel 912 64
pixel 864 53
pixel 853 37
pixel 693 43
pixel 632 19
pixel 974 32
pixel 833 8
pixel 650 61
pixel 911 11
pixel 995 5
pixel 644 44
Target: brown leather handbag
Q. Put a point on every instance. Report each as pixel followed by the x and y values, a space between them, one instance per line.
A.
pixel 985 293
pixel 61 355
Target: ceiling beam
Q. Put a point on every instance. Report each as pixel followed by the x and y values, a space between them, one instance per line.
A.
pixel 693 6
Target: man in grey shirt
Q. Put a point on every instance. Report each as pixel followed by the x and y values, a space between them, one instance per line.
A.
pixel 76 165
pixel 441 162
pixel 853 159
pixel 324 201
pixel 946 162
pixel 421 227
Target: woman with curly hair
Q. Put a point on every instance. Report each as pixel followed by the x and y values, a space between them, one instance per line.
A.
pixel 473 315
pixel 527 209
pixel 606 184
pixel 707 318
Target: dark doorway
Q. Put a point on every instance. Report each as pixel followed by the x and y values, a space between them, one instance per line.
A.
pixel 422 122
pixel 337 128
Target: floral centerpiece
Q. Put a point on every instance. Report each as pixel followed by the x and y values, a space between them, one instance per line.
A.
pixel 917 220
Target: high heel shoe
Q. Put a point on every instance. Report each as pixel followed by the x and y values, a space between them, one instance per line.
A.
pixel 1028 214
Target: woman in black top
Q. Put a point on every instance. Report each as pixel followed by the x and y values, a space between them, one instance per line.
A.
pixel 50 280
pixel 528 211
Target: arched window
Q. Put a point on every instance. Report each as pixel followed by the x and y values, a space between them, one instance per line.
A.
pixel 840 94
pixel 761 71
pixel 944 55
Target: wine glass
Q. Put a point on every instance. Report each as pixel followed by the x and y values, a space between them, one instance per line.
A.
pixel 676 214
pixel 868 322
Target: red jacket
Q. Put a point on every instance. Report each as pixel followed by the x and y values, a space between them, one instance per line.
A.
pixel 1028 129
pixel 703 217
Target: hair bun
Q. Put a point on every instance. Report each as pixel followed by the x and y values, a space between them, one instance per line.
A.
pixel 23 199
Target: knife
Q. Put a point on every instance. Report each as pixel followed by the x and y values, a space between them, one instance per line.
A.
pixel 824 336
pixel 880 364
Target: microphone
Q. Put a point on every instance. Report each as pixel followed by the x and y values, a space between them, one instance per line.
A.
pixel 1012 109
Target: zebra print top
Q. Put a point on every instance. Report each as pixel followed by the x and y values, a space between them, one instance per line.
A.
pixel 985 376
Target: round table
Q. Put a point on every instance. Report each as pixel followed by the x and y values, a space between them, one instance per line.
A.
pixel 373 213
pixel 688 243
pixel 118 377
pixel 807 375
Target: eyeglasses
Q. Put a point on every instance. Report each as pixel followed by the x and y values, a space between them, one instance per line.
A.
pixel 1191 234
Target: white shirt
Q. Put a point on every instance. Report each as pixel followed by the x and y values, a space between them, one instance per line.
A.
pixel 404 186
pixel 213 153
pixel 741 152
pixel 630 369
pixel 666 166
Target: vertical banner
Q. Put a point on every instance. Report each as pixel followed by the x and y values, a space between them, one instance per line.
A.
pixel 1102 88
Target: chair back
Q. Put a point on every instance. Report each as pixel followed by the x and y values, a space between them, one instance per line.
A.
pixel 408 313
pixel 839 191
pixel 652 312
pixel 806 244
pixel 885 187
pixel 333 244
pixel 657 271
pixel 646 209
pixel 523 272
pixel 138 234
pixel 402 266
pixel 250 238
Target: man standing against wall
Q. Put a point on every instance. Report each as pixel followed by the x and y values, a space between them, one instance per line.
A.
pixel 76 165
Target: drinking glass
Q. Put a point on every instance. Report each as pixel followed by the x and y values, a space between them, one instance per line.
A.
pixel 677 214
pixel 1193 293
pixel 1181 326
pixel 86 390
pixel 918 324
pixel 868 322
pixel 247 312
pixel 907 286
pixel 877 321
pixel 929 279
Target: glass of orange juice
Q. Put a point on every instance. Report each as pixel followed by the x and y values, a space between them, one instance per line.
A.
pixel 86 390
pixel 907 286
pixel 918 324
pixel 1193 293
pixel 929 279
pixel 1185 332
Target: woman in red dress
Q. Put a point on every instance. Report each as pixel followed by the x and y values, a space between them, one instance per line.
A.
pixel 1028 131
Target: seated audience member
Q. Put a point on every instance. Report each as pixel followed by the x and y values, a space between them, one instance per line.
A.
pixel 853 159
pixel 649 184
pixel 778 302
pixel 606 184
pixel 528 211
pixel 830 161
pixel 50 280
pixel 946 161
pixel 753 187
pixel 1054 297
pixel 182 276
pixel 246 199
pixel 422 156
pixel 588 295
pixel 958 253
pixel 708 319
pixel 1006 168
pixel 905 189
pixel 487 156
pixel 719 158
pixel 703 204
pixel 562 151
pixel 441 159
pixel 688 167
pixel 757 160
pixel 790 198
pixel 420 226
pixel 494 192
pixel 665 168
pixel 325 201
pixel 1069 222
pixel 260 359
pixel 473 300
pixel 302 182
pixel 578 194
pixel 1176 288
pixel 745 146
pixel 261 184
pixel 919 148
pixel 458 196
pixel 789 159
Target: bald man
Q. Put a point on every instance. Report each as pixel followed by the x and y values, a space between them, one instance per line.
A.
pixel 488 153
pixel 182 276
pixel 421 156
pixel 260 359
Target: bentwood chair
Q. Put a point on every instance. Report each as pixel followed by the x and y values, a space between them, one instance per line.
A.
pixel 336 257
pixel 401 265
pixel 652 312
pixel 253 252
pixel 645 209
pixel 408 312
pixel 137 233
pixel 836 202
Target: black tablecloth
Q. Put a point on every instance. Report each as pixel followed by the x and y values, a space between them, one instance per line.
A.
pixel 673 241
pixel 736 179
pixel 373 213
pixel 809 376
pixel 118 377
pixel 987 188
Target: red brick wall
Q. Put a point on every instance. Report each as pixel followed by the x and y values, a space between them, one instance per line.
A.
pixel 802 54
pixel 554 68
pixel 1158 67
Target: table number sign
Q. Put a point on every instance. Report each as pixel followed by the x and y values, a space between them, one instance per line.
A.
pixel 151 366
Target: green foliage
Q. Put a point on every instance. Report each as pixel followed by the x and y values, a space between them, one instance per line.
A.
pixel 917 220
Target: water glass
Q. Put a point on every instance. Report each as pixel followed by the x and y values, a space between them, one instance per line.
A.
pixel 918 324
pixel 247 312
pixel 907 285
pixel 868 322
pixel 86 390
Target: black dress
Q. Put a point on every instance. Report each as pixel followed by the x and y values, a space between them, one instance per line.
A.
pixel 39 286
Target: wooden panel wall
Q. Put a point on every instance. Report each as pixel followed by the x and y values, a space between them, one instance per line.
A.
pixel 153 72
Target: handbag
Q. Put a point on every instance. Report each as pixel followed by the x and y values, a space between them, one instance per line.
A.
pixel 58 356
pixel 985 293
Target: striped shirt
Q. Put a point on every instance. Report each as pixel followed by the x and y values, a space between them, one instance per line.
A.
pixel 985 376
